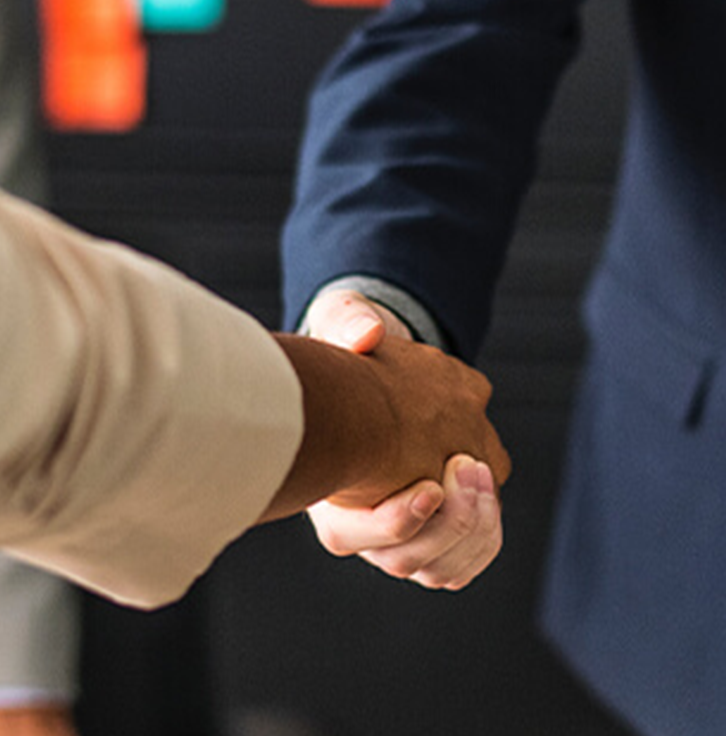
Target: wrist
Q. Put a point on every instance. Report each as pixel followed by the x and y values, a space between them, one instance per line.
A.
pixel 347 423
pixel 407 309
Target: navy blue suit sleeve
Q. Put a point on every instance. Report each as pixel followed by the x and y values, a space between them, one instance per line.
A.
pixel 420 143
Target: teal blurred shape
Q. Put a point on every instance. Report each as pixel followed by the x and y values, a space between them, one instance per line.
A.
pixel 181 16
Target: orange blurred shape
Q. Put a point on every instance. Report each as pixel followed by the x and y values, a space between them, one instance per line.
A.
pixel 94 65
pixel 349 3
pixel 103 92
pixel 92 21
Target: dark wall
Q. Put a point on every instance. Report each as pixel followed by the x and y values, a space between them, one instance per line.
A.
pixel 205 182
pixel 281 636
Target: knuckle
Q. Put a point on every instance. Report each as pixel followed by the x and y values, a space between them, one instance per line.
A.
pixel 459 584
pixel 317 313
pixel 463 580
pixel 325 309
pixel 402 566
pixel 433 581
pixel 464 520
pixel 333 542
pixel 484 387
pixel 497 542
pixel 398 526
pixel 490 524
pixel 489 553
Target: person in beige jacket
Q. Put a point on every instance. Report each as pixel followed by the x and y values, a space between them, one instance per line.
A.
pixel 147 423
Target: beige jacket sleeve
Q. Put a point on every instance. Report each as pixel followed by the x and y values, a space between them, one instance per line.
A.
pixel 145 423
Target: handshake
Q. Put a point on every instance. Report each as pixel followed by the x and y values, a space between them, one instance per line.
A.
pixel 399 460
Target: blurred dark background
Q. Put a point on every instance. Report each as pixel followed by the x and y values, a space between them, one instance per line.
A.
pixel 281 639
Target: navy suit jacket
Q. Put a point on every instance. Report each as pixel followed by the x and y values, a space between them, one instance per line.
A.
pixel 420 144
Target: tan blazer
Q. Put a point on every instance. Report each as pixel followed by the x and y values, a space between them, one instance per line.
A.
pixel 146 423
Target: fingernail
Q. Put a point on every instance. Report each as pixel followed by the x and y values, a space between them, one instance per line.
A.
pixel 424 504
pixel 359 327
pixel 475 475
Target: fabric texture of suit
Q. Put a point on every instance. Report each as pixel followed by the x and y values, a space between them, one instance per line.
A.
pixel 421 142
pixel 147 423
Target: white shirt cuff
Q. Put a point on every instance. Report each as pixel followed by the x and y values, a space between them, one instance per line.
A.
pixel 409 309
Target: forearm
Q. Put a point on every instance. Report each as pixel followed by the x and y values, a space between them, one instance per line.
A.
pixel 348 421
pixel 421 141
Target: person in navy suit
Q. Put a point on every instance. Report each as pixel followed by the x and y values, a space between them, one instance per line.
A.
pixel 420 144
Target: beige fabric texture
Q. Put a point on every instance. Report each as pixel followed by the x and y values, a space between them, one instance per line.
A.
pixel 146 423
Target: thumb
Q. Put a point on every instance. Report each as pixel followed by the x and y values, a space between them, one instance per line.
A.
pixel 347 319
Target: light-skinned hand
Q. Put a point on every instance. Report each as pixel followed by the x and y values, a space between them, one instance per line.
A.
pixel 437 535
pixel 349 320
pixel 453 535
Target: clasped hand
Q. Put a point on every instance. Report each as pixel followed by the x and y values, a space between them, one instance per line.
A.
pixel 441 532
